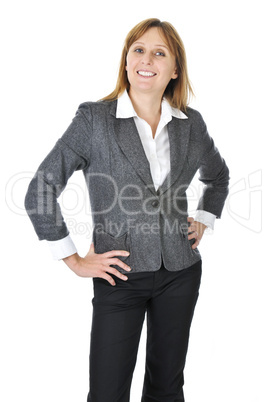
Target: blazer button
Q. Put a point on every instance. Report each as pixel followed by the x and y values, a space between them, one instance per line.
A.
pixel 155 204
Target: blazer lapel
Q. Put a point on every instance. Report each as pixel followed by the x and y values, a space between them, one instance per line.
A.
pixel 179 132
pixel 127 137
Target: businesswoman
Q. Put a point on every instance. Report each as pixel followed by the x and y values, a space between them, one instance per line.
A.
pixel 139 149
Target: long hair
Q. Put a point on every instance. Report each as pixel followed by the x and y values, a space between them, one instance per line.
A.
pixel 179 90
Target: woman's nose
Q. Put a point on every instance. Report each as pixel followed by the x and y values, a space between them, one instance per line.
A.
pixel 147 59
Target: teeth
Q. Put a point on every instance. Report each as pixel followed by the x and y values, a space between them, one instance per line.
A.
pixel 146 73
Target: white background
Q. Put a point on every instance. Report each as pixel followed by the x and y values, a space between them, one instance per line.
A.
pixel 57 54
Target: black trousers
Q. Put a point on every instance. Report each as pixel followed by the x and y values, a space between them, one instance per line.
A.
pixel 168 299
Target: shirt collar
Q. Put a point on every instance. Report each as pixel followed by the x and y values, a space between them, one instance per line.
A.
pixel 125 109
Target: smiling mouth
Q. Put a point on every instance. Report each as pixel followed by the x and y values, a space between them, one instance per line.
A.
pixel 146 73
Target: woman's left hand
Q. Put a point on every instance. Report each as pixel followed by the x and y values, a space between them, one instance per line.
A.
pixel 195 231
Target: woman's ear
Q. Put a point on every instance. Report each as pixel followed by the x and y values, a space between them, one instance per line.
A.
pixel 175 74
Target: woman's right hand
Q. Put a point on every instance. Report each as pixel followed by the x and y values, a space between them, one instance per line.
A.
pixel 98 265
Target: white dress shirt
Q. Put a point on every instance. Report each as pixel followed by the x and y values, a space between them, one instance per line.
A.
pixel 157 151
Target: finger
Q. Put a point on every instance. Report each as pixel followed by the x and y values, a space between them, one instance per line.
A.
pixel 196 243
pixel 192 228
pixel 115 253
pixel 192 235
pixel 192 224
pixel 108 278
pixel 117 261
pixel 117 273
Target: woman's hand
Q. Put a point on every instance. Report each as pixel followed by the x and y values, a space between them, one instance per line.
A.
pixel 98 265
pixel 195 231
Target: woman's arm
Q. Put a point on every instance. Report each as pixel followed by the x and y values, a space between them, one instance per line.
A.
pixel 214 173
pixel 70 153
pixel 213 170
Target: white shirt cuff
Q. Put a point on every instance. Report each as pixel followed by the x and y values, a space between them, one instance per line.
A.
pixel 62 248
pixel 206 218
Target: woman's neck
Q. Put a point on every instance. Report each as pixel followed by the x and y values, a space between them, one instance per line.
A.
pixel 148 108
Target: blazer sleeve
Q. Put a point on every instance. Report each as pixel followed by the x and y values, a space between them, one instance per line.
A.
pixel 214 173
pixel 70 153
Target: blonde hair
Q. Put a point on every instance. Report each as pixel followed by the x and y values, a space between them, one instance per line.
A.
pixel 179 90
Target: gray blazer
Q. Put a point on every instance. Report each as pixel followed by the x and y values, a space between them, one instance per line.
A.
pixel 128 213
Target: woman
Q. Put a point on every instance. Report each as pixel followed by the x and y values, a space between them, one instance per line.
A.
pixel 139 149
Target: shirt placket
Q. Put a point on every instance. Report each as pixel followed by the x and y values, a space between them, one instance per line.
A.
pixel 154 164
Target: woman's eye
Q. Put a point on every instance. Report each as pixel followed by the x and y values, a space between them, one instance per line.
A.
pixel 140 50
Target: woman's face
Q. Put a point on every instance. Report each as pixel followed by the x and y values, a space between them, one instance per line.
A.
pixel 150 64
